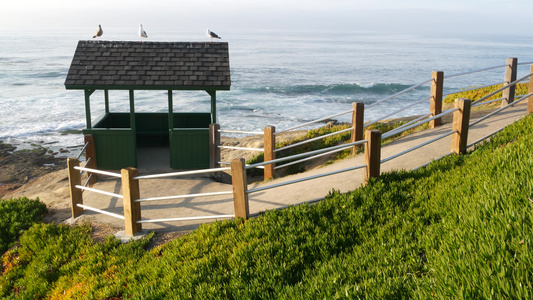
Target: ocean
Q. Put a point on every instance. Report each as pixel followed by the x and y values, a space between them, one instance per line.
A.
pixel 279 78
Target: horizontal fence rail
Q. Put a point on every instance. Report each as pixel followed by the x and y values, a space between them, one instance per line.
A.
pixel 184 196
pixel 101 211
pixel 395 132
pixel 315 121
pixel 99 172
pixel 99 191
pixel 304 179
pixel 313 139
pixel 185 173
pixel 186 219
pixel 418 146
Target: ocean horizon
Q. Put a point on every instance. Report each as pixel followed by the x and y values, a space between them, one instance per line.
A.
pixel 278 78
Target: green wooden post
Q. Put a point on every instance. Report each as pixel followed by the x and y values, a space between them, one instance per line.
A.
pixel 88 108
pixel 213 95
pixel 170 111
pixel 132 111
pixel 106 98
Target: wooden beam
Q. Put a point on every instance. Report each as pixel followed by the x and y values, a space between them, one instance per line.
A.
pixel 435 106
pixel 461 119
pixel 240 186
pixel 372 154
pixel 74 179
pixel 90 156
pixel 510 76
pixel 269 154
pixel 358 119
pixel 132 209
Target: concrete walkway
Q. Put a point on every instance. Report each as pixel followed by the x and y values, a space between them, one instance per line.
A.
pixel 281 196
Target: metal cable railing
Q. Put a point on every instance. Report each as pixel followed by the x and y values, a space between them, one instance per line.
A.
pixel 499 110
pixel 472 88
pixel 311 158
pixel 184 196
pixel 475 71
pixel 395 132
pixel 398 111
pixel 101 211
pixel 82 150
pixel 315 121
pixel 313 139
pixel 418 146
pixel 278 160
pixel 503 88
pixel 182 173
pixel 303 179
pixel 399 93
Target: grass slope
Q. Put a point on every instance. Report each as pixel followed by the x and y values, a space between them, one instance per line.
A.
pixel 459 228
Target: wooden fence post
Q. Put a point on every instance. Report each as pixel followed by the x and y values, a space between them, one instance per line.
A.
pixel 510 76
pixel 530 90
pixel 90 156
pixel 214 142
pixel 132 209
pixel 358 120
pixel 435 107
pixel 74 179
pixel 372 154
pixel 240 186
pixel 270 145
pixel 461 120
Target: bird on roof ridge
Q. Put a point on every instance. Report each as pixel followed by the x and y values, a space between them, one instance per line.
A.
pixel 142 33
pixel 211 35
pixel 98 32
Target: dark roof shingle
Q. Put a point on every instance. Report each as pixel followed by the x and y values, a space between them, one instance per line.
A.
pixel 149 65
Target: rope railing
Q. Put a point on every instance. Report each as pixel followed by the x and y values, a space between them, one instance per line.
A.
pixel 487 102
pixel 184 196
pixel 399 93
pixel 484 138
pixel 82 150
pixel 311 158
pixel 98 172
pixel 304 179
pixel 204 171
pixel 186 219
pixel 499 110
pixel 398 111
pixel 316 121
pixel 99 191
pixel 395 132
pixel 418 146
pixel 503 88
pixel 114 215
pixel 241 148
pixel 473 88
pixel 278 160
pixel 240 131
pixel 313 139
pixel 412 122
pixel 475 71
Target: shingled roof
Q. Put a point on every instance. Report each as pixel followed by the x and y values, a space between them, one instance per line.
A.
pixel 149 65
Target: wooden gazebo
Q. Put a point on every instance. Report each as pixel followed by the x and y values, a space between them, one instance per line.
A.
pixel 131 66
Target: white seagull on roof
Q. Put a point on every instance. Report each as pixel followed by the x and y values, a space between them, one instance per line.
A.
pixel 211 35
pixel 142 33
pixel 98 32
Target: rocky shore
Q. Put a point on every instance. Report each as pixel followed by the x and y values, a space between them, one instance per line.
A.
pixel 20 167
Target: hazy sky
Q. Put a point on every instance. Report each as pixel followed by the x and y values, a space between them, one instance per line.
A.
pixel 449 16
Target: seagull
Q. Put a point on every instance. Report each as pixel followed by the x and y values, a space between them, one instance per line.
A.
pixel 98 32
pixel 142 33
pixel 211 35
